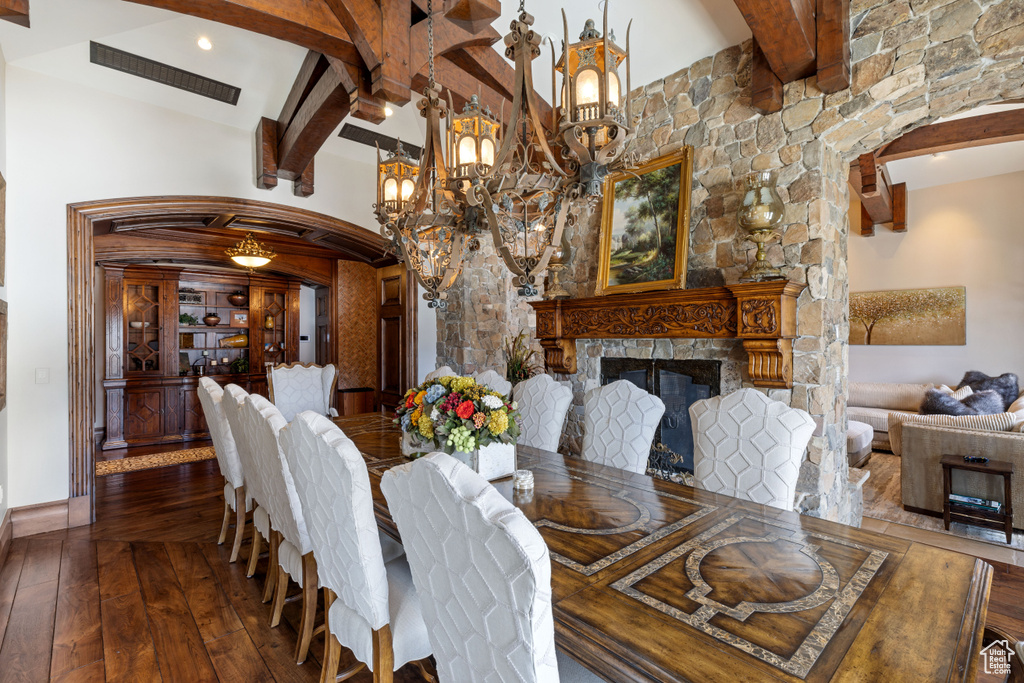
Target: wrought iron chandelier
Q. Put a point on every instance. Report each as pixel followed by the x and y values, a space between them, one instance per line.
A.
pixel 525 187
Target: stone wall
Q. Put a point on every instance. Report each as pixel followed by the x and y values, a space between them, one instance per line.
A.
pixel 913 62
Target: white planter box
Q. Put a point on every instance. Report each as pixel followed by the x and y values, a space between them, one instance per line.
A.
pixel 491 462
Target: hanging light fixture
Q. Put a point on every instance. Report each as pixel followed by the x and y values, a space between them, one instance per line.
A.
pixel 424 220
pixel 593 125
pixel 250 254
pixel 525 192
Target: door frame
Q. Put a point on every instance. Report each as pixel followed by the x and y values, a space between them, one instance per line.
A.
pixel 344 236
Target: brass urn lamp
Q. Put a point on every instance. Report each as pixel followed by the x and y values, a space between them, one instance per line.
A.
pixel 558 262
pixel 759 214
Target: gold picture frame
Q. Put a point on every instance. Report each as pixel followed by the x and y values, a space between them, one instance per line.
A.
pixel 630 222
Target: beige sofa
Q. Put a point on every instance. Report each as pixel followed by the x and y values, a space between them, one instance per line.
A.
pixel 872 403
pixel 921 474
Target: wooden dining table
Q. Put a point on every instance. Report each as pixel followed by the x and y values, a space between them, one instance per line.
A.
pixel 656 581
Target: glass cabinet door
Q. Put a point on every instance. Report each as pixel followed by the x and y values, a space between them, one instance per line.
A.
pixel 275 326
pixel 142 317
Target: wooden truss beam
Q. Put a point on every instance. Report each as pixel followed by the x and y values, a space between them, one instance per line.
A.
pixel 881 200
pixel 974 131
pixel 367 23
pixel 472 15
pixel 794 39
pixel 15 11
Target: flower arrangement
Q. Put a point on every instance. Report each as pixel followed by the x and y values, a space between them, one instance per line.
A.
pixel 519 359
pixel 457 414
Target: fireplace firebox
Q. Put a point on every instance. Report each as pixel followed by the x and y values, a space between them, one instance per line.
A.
pixel 678 383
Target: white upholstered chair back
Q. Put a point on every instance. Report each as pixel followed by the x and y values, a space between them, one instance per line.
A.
pixel 748 446
pixel 297 387
pixel 493 381
pixel 231 404
pixel 443 371
pixel 263 423
pixel 211 397
pixel 543 403
pixel 334 488
pixel 619 421
pixel 481 569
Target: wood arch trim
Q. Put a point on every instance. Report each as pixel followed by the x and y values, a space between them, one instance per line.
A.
pixel 84 219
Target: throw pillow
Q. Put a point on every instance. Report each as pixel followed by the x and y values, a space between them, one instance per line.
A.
pixel 938 403
pixel 984 402
pixel 1005 384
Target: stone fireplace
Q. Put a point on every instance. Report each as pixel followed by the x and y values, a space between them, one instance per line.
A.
pixel 678 383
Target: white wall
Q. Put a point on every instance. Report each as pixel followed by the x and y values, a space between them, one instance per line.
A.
pixel 307 324
pixel 969 234
pixel 75 144
pixel 3 290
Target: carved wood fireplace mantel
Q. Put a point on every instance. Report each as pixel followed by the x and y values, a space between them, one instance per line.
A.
pixel 761 314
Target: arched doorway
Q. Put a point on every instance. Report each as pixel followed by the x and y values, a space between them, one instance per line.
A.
pixel 191 230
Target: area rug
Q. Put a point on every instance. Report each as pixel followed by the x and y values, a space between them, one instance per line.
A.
pixel 149 462
pixel 882 500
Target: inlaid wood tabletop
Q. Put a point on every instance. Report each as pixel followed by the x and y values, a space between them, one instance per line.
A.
pixel 655 581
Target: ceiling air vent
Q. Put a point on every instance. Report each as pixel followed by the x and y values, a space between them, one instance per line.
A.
pixel 119 60
pixel 386 142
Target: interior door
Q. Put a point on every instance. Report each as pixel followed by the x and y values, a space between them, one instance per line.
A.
pixel 323 325
pixel 396 338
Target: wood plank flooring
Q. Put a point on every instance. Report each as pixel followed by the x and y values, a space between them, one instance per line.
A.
pixel 145 594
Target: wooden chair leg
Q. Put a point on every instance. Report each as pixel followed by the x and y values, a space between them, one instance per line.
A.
pixel 254 551
pixel 272 569
pixel 309 604
pixel 280 594
pixel 239 522
pixel 383 656
pixel 225 524
pixel 332 648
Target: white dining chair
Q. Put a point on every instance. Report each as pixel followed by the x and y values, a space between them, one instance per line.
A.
pixel 619 422
pixel 296 387
pixel 371 605
pixel 543 404
pixel 748 446
pixel 443 371
pixel 290 548
pixel 482 572
pixel 211 396
pixel 255 490
pixel 493 381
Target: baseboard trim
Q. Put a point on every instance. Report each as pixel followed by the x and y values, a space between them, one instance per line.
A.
pixel 40 518
pixel 6 536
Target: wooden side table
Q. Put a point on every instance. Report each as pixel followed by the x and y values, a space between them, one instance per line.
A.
pixel 969 515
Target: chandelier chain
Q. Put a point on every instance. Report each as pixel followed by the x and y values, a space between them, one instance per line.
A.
pixel 430 38
pixel 522 6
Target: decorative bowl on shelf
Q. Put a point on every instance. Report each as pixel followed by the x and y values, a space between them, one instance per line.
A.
pixel 238 298
pixel 135 325
pixel 211 319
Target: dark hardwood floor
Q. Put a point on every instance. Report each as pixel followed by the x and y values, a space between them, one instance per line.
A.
pixel 146 594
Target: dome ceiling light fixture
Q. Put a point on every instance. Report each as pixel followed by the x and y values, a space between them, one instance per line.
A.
pixel 250 254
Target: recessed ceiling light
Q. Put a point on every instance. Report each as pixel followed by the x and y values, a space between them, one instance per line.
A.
pixel 388 111
pixel 204 43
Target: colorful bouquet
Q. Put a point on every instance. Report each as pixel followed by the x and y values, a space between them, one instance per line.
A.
pixel 457 414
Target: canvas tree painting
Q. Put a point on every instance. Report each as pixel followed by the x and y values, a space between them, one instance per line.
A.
pixel 912 317
pixel 645 226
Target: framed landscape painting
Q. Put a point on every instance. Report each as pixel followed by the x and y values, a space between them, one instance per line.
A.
pixel 909 317
pixel 645 226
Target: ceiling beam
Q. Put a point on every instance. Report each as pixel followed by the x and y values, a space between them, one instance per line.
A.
pixel 833 53
pixel 472 15
pixel 787 33
pixel 881 200
pixel 765 87
pixel 448 37
pixel 362 104
pixel 308 23
pixel 316 118
pixel 367 23
pixel 266 153
pixel 15 11
pixel 974 131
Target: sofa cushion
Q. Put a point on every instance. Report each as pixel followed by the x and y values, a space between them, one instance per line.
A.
pixel 1000 422
pixel 1005 384
pixel 878 418
pixel 885 395
pixel 858 435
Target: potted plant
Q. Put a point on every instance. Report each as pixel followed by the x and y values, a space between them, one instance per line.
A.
pixel 188 319
pixel 458 416
pixel 519 364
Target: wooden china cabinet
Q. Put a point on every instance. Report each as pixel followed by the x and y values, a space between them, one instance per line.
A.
pixel 158 345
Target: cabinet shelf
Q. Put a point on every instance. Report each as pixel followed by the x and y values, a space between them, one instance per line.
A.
pixel 216 348
pixel 208 328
